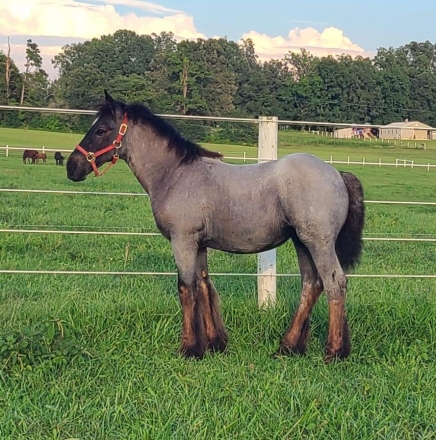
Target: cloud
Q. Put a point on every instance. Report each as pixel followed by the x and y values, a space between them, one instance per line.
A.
pixel 53 23
pixel 331 41
pixel 139 4
pixel 70 18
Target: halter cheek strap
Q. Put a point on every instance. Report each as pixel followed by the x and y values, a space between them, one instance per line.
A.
pixel 115 145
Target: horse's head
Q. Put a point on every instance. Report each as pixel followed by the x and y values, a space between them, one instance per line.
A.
pixel 101 144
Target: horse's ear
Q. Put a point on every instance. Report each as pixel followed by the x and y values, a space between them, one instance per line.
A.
pixel 111 103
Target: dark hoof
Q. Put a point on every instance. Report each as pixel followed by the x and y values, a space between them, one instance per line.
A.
pixel 331 356
pixel 288 351
pixel 196 351
pixel 217 344
pixel 337 355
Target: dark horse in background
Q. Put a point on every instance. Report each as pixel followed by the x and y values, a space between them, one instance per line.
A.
pixel 200 202
pixel 59 158
pixel 29 156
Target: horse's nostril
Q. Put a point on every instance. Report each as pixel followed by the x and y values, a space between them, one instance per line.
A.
pixel 71 168
pixel 76 169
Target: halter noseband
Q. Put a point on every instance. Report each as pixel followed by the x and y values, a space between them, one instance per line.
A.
pixel 115 145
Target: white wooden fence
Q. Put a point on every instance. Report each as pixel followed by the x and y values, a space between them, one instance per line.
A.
pixel 399 163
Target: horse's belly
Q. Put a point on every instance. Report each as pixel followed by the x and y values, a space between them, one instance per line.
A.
pixel 242 240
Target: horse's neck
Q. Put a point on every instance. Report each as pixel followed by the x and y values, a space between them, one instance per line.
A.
pixel 150 160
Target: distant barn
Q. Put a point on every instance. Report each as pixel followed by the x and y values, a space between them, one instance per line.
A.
pixel 404 130
pixel 356 132
pixel 407 130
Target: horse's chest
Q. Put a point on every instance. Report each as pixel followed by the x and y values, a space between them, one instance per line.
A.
pixel 163 226
pixel 162 221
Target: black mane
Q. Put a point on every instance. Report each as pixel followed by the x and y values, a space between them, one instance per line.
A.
pixel 188 151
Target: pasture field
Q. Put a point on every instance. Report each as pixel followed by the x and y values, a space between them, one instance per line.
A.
pixel 95 357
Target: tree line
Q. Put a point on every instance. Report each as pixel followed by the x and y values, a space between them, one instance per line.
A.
pixel 221 78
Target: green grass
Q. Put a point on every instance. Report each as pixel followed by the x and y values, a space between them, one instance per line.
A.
pixel 37 139
pixel 119 375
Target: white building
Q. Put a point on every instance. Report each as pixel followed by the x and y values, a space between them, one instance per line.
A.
pixel 413 130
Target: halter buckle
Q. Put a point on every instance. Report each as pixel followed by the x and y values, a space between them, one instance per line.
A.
pixel 90 157
pixel 123 129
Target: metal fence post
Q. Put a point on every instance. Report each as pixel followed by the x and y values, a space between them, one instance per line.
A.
pixel 266 261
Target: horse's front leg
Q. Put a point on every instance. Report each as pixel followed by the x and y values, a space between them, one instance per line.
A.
pixel 209 302
pixel 194 339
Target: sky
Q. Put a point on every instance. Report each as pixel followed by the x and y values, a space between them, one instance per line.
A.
pixel 328 27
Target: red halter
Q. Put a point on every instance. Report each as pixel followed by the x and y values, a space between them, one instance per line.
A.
pixel 115 145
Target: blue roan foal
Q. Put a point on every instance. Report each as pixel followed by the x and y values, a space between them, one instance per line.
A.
pixel 200 202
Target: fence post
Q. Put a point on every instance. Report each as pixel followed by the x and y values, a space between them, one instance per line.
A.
pixel 7 150
pixel 266 261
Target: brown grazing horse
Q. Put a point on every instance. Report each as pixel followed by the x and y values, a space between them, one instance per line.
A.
pixel 29 155
pixel 41 156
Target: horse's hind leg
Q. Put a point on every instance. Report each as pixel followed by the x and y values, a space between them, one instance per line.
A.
pixel 335 285
pixel 295 339
pixel 194 338
pixel 209 303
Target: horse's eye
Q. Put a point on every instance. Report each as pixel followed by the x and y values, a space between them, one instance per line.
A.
pixel 100 132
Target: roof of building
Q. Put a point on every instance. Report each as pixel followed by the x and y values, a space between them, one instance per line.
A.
pixel 404 124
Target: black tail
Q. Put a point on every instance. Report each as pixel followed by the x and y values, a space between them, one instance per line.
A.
pixel 349 243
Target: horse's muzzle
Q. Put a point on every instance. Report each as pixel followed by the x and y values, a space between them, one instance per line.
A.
pixel 77 168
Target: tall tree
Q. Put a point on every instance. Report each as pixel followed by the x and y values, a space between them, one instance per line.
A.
pixel 8 72
pixel 216 84
pixel 10 85
pixel 421 67
pixel 394 83
pixel 35 80
pixel 159 73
